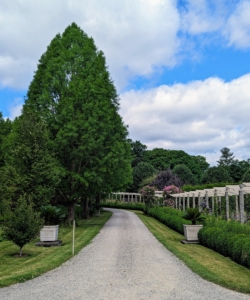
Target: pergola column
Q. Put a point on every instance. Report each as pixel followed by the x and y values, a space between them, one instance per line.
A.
pixel 237 207
pixel 206 197
pixel 241 205
pixel 193 201
pixel 176 204
pixel 188 201
pixel 179 202
pixel 183 199
pixel 199 201
pixel 227 204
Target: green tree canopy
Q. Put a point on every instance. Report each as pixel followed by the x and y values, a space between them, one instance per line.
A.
pixel 141 171
pixel 185 174
pixel 73 93
pixel 216 174
pixel 246 176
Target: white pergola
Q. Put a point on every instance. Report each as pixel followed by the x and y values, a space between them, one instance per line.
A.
pixel 215 193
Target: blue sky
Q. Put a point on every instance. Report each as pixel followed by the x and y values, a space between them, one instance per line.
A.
pixel 182 68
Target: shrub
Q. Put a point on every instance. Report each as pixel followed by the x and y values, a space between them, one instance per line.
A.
pixel 52 215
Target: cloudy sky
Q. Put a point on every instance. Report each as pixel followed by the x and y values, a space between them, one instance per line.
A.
pixel 182 68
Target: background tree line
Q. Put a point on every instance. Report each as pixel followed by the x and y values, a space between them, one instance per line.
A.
pixel 162 167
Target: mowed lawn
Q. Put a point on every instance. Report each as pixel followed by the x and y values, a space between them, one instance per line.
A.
pixel 42 259
pixel 207 263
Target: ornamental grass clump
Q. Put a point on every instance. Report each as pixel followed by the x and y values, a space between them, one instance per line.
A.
pixel 193 215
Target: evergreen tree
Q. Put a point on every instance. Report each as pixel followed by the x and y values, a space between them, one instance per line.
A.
pixel 73 93
pixel 31 167
pixel 226 158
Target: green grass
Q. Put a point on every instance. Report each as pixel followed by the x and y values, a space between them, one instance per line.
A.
pixel 42 259
pixel 205 262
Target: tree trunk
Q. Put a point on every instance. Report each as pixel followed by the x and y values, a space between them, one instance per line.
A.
pixel 85 208
pixel 21 251
pixel 70 214
pixel 97 201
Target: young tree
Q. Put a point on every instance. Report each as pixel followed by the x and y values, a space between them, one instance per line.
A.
pixel 73 93
pixel 22 224
pixel 226 158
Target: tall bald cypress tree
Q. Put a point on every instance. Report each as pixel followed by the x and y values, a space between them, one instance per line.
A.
pixel 73 93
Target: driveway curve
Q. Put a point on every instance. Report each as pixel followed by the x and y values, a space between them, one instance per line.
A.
pixel 124 261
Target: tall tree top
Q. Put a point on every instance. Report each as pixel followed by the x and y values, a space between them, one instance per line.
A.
pixel 226 158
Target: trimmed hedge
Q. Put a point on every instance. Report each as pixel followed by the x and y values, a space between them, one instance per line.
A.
pixel 136 206
pixel 169 217
pixel 230 244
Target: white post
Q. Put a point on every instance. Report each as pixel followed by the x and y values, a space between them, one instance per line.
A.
pixel 73 242
pixel 188 201
pixel 183 199
pixel 176 203
pixel 193 200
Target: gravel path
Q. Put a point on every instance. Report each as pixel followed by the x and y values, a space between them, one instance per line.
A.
pixel 124 261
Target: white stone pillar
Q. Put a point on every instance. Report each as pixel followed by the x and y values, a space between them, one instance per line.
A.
pixel 176 203
pixel 183 199
pixel 188 201
pixel 193 201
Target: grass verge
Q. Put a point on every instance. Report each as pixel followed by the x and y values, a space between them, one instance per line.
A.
pixel 205 262
pixel 42 259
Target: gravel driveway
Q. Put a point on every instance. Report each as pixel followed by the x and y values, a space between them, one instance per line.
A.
pixel 124 261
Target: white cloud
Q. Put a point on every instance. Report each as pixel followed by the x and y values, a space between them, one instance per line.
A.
pixel 200 117
pixel 136 36
pixel 15 108
pixel 237 30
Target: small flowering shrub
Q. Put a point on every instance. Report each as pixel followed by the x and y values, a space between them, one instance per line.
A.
pixel 148 193
pixel 170 189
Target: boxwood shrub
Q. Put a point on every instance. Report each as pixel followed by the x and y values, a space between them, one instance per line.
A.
pixel 230 244
pixel 169 216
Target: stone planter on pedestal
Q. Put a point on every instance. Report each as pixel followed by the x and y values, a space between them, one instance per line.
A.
pixel 191 234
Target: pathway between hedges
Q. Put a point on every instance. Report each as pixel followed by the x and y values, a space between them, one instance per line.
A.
pixel 124 261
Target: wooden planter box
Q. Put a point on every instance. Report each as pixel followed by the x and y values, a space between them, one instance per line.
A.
pixel 191 232
pixel 49 233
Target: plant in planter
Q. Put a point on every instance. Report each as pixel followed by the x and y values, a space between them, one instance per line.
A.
pixel 52 216
pixel 191 231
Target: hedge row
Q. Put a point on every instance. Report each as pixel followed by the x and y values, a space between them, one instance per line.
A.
pixel 230 244
pixel 136 206
pixel 188 188
pixel 168 216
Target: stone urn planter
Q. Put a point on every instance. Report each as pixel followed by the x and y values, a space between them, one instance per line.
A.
pixel 191 233
pixel 49 233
